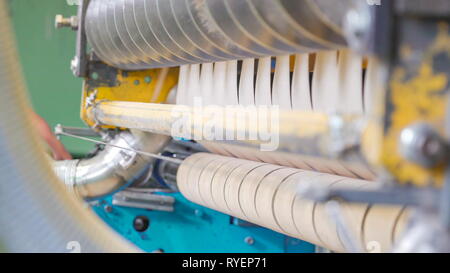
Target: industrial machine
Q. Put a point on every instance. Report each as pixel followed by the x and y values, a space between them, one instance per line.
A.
pixel 251 126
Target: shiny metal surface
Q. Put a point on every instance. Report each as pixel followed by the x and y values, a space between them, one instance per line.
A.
pixel 274 15
pixel 207 25
pixel 143 200
pixel 232 31
pixel 246 16
pixel 141 34
pixel 170 24
pixel 140 17
pixel 113 168
pixel 135 34
pixel 186 21
pixel 122 33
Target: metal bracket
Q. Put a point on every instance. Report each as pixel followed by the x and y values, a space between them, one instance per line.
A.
pixel 79 63
pixel 423 8
pixel 389 195
pixel 86 132
pixel 143 200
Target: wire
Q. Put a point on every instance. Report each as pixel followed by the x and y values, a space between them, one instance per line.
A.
pixel 171 159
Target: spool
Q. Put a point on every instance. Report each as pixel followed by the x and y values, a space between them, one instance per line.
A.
pixel 264 196
pixel 284 201
pixel 233 186
pixel 248 190
pixel 269 195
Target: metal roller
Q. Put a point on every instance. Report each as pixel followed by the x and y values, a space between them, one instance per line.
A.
pixel 268 195
pixel 141 34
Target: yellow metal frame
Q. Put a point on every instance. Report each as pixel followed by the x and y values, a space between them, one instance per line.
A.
pixel 422 97
pixel 132 86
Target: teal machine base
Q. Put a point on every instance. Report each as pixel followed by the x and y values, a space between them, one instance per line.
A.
pixel 193 228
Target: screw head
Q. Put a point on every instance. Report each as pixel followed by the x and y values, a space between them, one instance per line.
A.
pixel 61 21
pixel 108 208
pixel 249 240
pixel 74 64
pixel 198 213
pixel 421 144
pixel 74 22
pixel 141 223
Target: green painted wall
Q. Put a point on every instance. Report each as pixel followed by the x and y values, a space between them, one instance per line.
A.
pixel 45 54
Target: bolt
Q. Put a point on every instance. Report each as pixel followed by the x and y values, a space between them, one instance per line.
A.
pixel 141 223
pixel 108 208
pixel 148 79
pixel 74 64
pixel 431 146
pixel 94 75
pixel 198 213
pixel 61 21
pixel 249 240
pixel 421 144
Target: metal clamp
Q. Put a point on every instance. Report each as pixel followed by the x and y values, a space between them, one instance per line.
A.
pixel 143 200
pixel 86 132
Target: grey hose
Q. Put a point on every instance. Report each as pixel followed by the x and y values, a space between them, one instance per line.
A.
pixel 37 213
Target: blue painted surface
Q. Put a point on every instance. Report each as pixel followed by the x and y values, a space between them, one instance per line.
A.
pixel 193 228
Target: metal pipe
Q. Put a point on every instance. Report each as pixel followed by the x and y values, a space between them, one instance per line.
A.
pixel 140 34
pixel 113 168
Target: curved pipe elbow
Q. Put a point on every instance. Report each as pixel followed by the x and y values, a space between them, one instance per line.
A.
pixel 113 168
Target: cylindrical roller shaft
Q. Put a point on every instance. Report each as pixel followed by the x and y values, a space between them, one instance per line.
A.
pixel 141 34
pixel 337 167
pixel 314 133
pixel 268 195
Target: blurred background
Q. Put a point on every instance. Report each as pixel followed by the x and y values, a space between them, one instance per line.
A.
pixel 54 91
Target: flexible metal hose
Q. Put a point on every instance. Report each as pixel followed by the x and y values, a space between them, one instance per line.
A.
pixel 139 34
pixel 37 213
pixel 113 168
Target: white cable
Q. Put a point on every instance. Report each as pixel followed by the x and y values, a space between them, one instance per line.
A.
pixel 171 159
